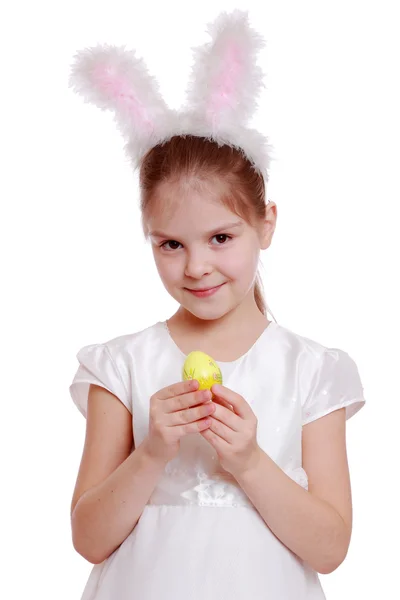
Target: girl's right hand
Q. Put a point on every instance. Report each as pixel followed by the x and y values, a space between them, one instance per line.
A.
pixel 175 411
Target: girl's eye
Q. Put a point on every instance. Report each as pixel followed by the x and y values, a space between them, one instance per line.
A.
pixel 224 236
pixel 169 242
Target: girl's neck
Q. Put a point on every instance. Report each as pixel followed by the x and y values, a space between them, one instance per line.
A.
pixel 225 338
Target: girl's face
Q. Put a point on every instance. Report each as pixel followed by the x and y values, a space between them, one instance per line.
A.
pixel 198 243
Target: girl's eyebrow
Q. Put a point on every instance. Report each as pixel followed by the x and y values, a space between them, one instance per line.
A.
pixel 208 234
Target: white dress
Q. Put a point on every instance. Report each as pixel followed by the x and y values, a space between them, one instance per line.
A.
pixel 199 536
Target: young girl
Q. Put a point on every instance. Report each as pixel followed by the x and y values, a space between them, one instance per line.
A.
pixel 242 491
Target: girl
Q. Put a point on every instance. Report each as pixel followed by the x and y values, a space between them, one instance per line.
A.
pixel 242 491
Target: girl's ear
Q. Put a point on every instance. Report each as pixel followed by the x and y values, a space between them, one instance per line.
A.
pixel 114 79
pixel 268 227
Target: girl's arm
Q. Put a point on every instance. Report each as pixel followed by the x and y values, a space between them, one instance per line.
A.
pixel 113 484
pixel 315 524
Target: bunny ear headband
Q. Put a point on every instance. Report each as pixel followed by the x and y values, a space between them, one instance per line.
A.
pixel 221 95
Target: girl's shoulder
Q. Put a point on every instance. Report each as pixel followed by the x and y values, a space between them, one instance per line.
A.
pixel 300 344
pixel 130 342
pixel 328 375
pixel 109 364
pixel 309 350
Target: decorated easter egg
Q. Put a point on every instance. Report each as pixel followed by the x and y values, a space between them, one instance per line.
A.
pixel 199 365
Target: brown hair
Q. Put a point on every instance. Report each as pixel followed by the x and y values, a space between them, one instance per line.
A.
pixel 202 159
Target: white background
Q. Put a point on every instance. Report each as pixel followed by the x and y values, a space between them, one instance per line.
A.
pixel 76 270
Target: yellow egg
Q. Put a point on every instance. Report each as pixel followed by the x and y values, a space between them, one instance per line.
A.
pixel 198 365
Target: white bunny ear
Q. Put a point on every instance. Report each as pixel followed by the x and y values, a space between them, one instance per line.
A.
pixel 115 79
pixel 225 79
pixel 223 87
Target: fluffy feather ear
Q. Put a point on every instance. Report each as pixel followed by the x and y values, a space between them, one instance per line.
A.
pixel 225 80
pixel 114 79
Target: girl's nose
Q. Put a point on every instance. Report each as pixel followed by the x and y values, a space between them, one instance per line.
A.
pixel 197 266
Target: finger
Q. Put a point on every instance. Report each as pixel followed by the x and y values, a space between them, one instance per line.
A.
pixel 228 418
pixel 176 389
pixel 216 442
pixel 190 415
pixel 222 402
pixel 194 427
pixel 239 404
pixel 221 431
pixel 187 400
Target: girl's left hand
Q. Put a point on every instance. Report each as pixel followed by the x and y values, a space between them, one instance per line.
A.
pixel 233 433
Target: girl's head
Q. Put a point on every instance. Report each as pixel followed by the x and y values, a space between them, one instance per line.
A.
pixel 201 167
pixel 192 189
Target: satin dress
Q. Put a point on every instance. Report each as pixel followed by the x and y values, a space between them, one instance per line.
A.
pixel 199 536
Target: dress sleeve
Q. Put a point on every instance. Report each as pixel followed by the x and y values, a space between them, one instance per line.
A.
pixel 96 365
pixel 335 384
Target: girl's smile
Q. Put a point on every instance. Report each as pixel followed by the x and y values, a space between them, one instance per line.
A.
pixel 206 292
